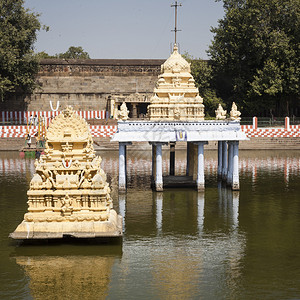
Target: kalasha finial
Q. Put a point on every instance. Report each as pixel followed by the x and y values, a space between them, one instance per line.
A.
pixel 68 111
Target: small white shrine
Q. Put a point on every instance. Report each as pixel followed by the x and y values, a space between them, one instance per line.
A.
pixel 176 113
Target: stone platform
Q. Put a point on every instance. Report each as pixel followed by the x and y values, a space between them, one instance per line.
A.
pixel 58 230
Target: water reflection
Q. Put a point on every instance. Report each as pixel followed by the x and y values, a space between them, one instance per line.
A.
pixel 139 164
pixel 158 198
pixel 55 274
pixel 201 202
pixel 193 259
pixel 180 211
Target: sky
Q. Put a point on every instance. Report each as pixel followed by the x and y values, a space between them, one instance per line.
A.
pixel 125 28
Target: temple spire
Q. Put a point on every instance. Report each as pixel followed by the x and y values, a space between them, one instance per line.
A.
pixel 175 29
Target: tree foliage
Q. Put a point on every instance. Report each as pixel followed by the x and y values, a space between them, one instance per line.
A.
pixel 255 54
pixel 74 53
pixel 18 65
pixel 203 75
pixel 71 53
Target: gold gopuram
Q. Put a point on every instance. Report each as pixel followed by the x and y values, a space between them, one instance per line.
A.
pixel 69 195
pixel 176 97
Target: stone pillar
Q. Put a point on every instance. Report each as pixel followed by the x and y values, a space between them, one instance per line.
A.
pixel 230 163
pixel 200 170
pixel 134 110
pixel 172 158
pixel 48 200
pixel 112 107
pixel 224 160
pixel 122 167
pixel 235 171
pixel 220 153
pixel 158 171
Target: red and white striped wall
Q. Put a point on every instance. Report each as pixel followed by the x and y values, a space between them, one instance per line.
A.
pixel 108 130
pixel 22 130
pixel 21 117
pixel 288 131
pixel 103 130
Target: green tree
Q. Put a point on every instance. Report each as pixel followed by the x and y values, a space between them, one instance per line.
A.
pixel 255 54
pixel 44 55
pixel 74 53
pixel 203 75
pixel 18 64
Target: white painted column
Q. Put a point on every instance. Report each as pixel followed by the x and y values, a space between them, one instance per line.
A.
pixel 200 167
pixel 230 163
pixel 159 176
pixel 235 176
pixel 200 203
pixel 122 167
pixel 220 165
pixel 159 209
pixel 224 160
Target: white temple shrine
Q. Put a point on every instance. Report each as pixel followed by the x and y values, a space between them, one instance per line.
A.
pixel 176 113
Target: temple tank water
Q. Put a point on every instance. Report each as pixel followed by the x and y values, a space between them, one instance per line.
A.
pixel 177 244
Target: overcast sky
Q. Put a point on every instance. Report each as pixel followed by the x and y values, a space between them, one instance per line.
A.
pixel 125 28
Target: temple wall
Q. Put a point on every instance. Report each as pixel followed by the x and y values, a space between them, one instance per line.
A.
pixel 87 84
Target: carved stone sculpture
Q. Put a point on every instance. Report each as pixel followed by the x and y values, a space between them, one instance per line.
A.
pixel 176 96
pixel 220 113
pixel 68 194
pixel 234 113
pixel 123 112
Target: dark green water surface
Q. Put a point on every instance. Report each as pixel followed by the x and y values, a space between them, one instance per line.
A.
pixel 177 244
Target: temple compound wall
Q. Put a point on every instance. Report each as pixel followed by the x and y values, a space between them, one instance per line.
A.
pixel 91 84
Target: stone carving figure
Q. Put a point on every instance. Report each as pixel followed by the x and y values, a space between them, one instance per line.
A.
pixel 234 113
pixel 36 182
pixel 46 175
pixel 176 113
pixel 123 112
pixel 89 150
pixel 66 205
pixel 220 113
pixel 85 177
